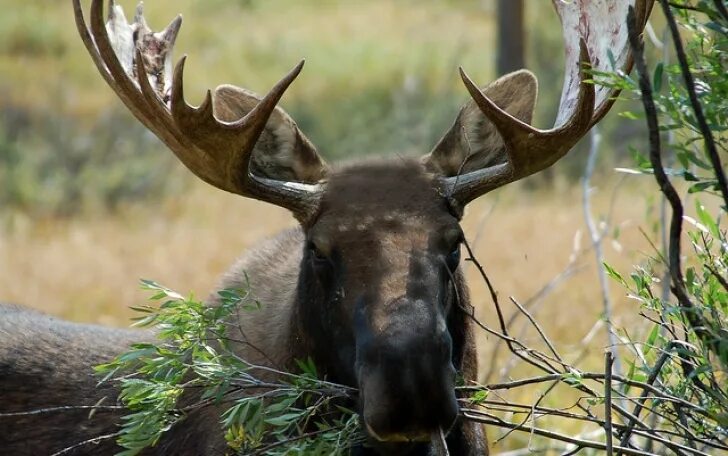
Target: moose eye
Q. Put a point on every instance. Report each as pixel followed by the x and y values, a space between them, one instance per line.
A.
pixel 317 255
pixel 453 258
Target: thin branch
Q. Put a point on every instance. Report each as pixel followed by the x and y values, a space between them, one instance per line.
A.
pixel 92 441
pixel 655 434
pixel 598 376
pixel 608 362
pixel 498 422
pixel 439 443
pixel 571 269
pixel 720 6
pixel 650 380
pixel 546 366
pixel 596 241
pixel 540 330
pixel 62 408
pixel 722 280
pixel 684 6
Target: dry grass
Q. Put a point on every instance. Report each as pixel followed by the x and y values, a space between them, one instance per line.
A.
pixel 87 268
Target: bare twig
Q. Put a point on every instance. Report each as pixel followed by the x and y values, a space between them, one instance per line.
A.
pixel 608 362
pixel 531 304
pixel 439 443
pixel 650 380
pixel 92 441
pixel 499 422
pixel 655 434
pixel 540 331
pixel 62 408
pixel 537 361
pixel 596 240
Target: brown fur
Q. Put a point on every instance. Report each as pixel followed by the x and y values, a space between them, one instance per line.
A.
pixel 46 363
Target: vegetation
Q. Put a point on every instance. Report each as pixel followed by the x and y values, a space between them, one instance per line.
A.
pixel 673 397
pixel 686 351
pixel 371 93
pixel 288 414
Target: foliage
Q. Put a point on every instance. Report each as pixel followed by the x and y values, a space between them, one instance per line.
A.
pixel 49 165
pixel 193 366
pixel 685 352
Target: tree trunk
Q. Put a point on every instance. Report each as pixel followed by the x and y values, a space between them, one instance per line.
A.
pixel 511 37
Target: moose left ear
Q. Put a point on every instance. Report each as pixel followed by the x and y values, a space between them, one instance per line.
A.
pixel 282 152
pixel 473 142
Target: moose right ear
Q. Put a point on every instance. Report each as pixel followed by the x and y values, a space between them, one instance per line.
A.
pixel 282 152
pixel 473 142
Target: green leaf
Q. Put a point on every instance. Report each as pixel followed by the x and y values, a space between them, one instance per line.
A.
pixel 703 186
pixel 707 219
pixel 651 338
pixel 611 272
pixel 657 77
pixel 479 397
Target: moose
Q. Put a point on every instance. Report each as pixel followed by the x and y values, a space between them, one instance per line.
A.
pixel 368 286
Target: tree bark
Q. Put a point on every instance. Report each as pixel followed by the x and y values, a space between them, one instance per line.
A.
pixel 511 36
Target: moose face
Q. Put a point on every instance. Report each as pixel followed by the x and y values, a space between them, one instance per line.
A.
pixel 378 289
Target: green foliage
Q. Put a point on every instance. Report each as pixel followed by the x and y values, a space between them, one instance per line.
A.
pixel 51 165
pixel 22 34
pixel 707 48
pixel 685 350
pixel 193 365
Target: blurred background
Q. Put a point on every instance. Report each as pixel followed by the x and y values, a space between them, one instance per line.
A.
pixel 90 202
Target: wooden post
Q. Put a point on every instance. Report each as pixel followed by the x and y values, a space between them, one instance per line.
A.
pixel 511 36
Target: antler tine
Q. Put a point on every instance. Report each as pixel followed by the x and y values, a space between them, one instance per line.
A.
pixel 136 63
pixel 236 139
pixel 598 28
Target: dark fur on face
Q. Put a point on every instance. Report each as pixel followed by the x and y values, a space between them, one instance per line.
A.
pixel 378 300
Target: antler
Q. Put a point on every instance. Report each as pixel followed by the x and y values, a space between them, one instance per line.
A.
pixel 595 34
pixel 137 65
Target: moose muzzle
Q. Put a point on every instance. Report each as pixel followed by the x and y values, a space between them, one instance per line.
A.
pixel 405 373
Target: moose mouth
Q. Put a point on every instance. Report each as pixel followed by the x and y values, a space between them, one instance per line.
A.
pixel 399 437
pixel 406 416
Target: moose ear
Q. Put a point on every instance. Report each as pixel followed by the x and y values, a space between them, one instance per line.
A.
pixel 282 152
pixel 473 142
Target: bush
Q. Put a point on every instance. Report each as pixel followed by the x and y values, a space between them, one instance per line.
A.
pixel 297 414
pixel 51 164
